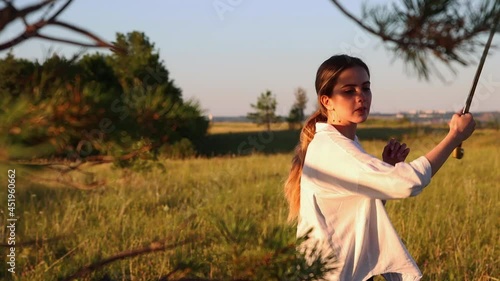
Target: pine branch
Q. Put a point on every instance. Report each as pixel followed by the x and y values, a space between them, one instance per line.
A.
pixel 418 30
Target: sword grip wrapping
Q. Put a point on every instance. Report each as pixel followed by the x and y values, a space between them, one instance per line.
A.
pixel 458 152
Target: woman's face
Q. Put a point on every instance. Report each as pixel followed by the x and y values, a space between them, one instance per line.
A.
pixel 352 96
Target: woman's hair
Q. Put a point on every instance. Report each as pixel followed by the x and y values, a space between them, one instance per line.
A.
pixel 326 78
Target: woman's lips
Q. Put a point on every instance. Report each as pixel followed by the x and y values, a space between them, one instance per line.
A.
pixel 362 109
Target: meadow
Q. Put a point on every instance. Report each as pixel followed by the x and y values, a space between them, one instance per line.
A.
pixel 222 216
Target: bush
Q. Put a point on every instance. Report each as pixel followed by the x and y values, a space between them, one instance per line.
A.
pixel 180 150
pixel 78 108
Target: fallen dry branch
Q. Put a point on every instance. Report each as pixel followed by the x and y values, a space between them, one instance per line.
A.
pixel 100 159
pixel 65 166
pixel 153 247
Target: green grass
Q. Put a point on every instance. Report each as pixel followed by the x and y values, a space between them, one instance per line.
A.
pixel 232 209
pixel 238 127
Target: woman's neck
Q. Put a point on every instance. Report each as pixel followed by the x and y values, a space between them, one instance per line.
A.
pixel 348 130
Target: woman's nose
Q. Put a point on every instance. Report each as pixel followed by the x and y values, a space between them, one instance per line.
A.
pixel 360 97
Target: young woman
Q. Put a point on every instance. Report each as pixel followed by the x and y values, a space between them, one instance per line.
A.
pixel 338 190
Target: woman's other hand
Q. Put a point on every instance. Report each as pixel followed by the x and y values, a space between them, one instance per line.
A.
pixel 395 152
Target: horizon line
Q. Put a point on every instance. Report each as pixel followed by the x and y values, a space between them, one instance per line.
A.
pixel 387 113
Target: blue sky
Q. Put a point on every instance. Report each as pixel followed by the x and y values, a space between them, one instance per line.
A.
pixel 224 53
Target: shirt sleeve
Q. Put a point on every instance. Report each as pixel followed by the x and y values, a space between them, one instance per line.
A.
pixel 341 167
pixel 378 179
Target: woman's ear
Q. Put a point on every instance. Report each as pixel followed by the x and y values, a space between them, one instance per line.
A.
pixel 326 102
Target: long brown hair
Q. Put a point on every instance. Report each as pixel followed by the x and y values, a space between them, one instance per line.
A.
pixel 326 78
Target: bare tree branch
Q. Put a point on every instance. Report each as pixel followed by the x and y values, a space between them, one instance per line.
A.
pixel 99 42
pixel 67 41
pixel 11 13
pixel 63 7
pixel 361 24
pixel 11 43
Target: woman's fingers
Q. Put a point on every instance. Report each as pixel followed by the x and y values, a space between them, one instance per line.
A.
pixel 402 148
pixel 385 152
pixel 396 148
pixel 388 148
pixel 395 152
pixel 403 154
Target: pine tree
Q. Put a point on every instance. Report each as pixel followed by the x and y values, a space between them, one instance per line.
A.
pixel 296 115
pixel 265 110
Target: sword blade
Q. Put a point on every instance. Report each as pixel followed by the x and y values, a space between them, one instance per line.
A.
pixel 481 64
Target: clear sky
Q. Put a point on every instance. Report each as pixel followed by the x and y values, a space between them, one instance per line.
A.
pixel 225 58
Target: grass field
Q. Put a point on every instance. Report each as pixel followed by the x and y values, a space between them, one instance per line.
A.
pixel 222 215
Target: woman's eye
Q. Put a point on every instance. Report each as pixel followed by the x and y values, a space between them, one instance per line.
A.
pixel 366 89
pixel 351 91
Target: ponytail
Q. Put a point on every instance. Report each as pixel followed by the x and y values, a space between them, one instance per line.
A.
pixel 292 184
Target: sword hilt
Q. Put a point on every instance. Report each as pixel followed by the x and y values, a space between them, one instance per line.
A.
pixel 458 152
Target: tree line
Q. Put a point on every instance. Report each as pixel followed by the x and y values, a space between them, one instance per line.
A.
pixel 99 104
pixel 96 104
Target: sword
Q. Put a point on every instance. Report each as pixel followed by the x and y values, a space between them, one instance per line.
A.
pixel 458 152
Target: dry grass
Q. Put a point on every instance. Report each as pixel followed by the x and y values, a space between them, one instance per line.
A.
pixel 451 229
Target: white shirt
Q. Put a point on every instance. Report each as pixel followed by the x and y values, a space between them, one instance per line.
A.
pixel 342 188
